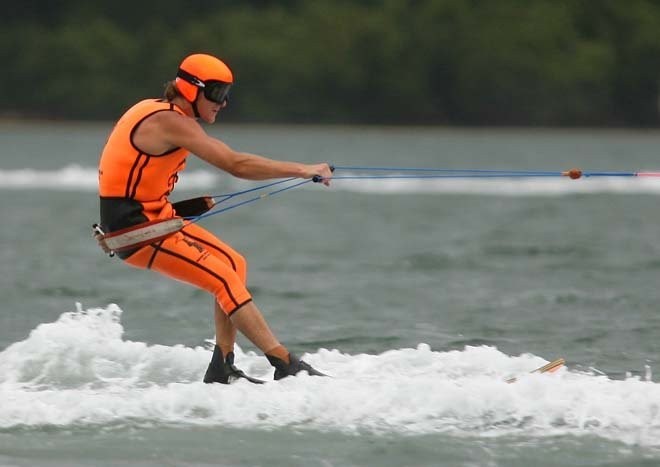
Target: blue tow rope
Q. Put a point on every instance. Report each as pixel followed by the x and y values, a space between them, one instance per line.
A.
pixel 225 197
pixel 393 173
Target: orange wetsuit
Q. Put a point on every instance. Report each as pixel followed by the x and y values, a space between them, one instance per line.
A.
pixel 134 187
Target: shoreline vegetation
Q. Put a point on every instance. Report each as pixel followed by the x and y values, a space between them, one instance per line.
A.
pixel 457 63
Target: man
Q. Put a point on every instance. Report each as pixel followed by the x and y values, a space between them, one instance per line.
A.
pixel 137 171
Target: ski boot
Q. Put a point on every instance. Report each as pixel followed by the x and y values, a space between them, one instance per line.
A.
pixel 222 370
pixel 295 366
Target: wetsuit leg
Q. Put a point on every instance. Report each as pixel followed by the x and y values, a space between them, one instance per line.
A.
pixel 218 248
pixel 187 256
pixel 225 331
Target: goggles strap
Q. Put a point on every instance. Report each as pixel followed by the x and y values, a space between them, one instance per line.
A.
pixel 190 78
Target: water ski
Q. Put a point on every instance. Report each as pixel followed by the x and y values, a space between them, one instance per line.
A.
pixel 547 368
pixel 242 375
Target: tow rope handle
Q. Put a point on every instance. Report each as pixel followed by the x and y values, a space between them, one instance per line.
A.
pixel 152 231
pixel 139 235
pixel 318 178
pixel 99 235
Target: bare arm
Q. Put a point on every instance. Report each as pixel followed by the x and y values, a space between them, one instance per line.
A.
pixel 180 131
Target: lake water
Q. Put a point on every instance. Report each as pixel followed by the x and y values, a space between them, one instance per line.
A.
pixel 419 296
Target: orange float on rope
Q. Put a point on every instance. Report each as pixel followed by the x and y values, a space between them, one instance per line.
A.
pixel 573 173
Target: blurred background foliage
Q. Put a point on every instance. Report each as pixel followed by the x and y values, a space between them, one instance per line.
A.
pixel 456 62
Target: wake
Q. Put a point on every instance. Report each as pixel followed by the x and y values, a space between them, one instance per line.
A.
pixel 79 371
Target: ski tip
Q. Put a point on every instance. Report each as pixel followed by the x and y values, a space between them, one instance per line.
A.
pixel 547 368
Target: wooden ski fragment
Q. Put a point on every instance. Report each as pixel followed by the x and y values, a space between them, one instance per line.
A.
pixel 547 368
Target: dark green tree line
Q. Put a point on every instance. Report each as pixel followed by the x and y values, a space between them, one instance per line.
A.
pixel 462 62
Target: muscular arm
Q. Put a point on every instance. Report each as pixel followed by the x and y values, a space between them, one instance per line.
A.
pixel 176 130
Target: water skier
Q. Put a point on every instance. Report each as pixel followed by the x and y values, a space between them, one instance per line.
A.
pixel 138 169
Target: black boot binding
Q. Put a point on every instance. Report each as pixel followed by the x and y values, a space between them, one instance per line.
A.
pixel 222 370
pixel 295 366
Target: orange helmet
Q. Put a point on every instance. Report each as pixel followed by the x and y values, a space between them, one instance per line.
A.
pixel 201 71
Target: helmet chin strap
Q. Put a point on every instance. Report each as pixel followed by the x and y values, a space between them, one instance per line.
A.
pixel 194 105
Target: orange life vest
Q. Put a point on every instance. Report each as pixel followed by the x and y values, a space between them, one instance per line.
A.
pixel 128 174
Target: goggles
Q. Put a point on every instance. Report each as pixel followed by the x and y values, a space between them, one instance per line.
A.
pixel 214 90
pixel 217 91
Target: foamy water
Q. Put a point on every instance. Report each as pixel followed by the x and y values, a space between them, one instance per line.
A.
pixel 79 371
pixel 78 178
